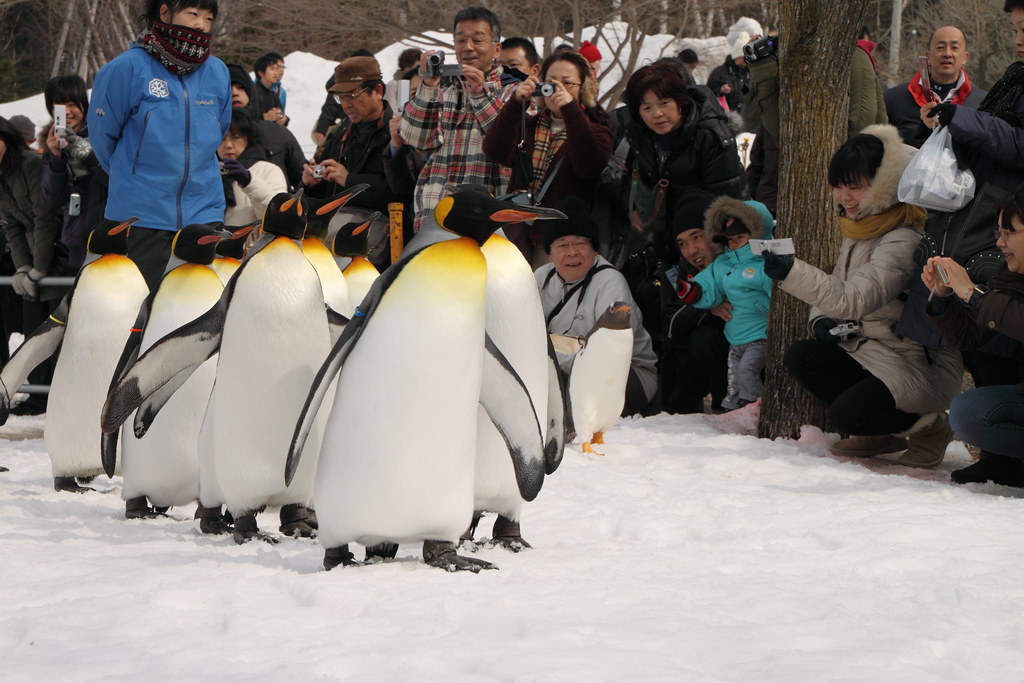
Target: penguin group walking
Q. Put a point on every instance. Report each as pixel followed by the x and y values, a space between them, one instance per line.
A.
pixel 436 397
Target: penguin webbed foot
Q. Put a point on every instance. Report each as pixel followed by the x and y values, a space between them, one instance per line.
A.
pixel 298 521
pixel 441 554
pixel 69 485
pixel 588 449
pixel 212 520
pixel 138 508
pixel 246 530
pixel 508 535
pixel 381 552
pixel 340 555
pixel 468 534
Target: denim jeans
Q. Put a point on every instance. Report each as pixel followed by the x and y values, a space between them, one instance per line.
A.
pixel 991 418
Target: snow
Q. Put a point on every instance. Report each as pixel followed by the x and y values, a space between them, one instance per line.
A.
pixel 690 551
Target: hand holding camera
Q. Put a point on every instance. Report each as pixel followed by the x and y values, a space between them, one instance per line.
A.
pixel 235 170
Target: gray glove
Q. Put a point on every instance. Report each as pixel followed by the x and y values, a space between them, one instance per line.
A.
pixel 24 285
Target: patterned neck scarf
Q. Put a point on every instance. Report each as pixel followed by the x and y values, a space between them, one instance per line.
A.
pixel 546 143
pixel 181 50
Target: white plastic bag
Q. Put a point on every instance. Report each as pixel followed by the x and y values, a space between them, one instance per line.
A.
pixel 933 179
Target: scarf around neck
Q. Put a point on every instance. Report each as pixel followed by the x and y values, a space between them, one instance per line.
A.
pixel 1002 99
pixel 871 227
pixel 181 50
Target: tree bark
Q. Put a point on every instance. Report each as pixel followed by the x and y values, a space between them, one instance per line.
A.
pixel 814 76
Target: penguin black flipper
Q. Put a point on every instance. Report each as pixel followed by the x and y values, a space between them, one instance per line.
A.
pixel 158 373
pixel 560 430
pixel 507 402
pixel 336 322
pixel 108 441
pixel 39 346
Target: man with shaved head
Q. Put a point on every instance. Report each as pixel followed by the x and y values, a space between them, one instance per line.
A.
pixel 947 54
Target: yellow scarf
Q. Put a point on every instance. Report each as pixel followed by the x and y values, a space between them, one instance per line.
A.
pixel 871 227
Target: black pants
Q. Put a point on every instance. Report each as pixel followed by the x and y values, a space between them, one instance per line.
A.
pixel 151 250
pixel 858 402
pixel 693 367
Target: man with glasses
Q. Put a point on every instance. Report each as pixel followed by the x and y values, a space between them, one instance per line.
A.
pixel 269 95
pixel 449 117
pixel 353 151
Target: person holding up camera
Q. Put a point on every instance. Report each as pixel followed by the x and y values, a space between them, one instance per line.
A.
pixel 72 177
pixel 449 115
pixel 556 153
pixel 885 390
pixel 250 181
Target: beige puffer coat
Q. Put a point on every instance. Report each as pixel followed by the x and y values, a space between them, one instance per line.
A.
pixel 865 285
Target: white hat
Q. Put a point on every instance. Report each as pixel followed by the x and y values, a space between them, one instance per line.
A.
pixel 736 49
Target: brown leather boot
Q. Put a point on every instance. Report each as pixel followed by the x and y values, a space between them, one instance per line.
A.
pixel 927 441
pixel 867 446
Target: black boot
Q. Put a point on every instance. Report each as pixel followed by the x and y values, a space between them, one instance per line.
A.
pixel 298 520
pixel 340 555
pixel 999 469
pixel 467 535
pixel 69 484
pixel 441 554
pixel 246 529
pixel 506 532
pixel 211 520
pixel 385 551
pixel 137 508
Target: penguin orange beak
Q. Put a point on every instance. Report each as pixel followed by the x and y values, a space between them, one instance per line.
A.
pixel 624 308
pixel 121 227
pixel 209 239
pixel 534 213
pixel 244 230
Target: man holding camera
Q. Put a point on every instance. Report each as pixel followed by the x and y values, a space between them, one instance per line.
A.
pixel 353 151
pixel 453 108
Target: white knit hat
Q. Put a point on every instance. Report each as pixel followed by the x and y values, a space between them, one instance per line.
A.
pixel 736 49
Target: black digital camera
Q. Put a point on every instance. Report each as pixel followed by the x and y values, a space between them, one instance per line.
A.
pixel 544 90
pixel 436 68
pixel 762 48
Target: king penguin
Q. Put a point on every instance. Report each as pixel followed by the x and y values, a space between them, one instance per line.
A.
pixel 164 467
pixel 351 247
pixel 231 251
pixel 397 462
pixel 334 283
pixel 91 326
pixel 271 330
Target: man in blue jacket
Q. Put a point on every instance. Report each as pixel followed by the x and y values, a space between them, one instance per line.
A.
pixel 158 112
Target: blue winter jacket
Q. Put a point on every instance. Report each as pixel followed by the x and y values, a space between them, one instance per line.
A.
pixel 739 277
pixel 156 134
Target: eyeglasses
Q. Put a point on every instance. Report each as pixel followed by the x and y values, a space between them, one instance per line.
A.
pixel 569 84
pixel 1002 234
pixel 340 97
pixel 562 245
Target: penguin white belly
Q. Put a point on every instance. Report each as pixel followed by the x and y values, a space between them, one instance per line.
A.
pixel 334 284
pixel 597 384
pixel 274 340
pixel 360 275
pixel 515 323
pixel 225 268
pixel 163 465
pixel 210 494
pixel 104 307
pixel 398 457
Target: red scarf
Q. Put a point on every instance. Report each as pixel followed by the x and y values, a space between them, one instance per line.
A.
pixel 917 92
pixel 180 49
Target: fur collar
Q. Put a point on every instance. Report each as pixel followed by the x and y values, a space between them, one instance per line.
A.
pixel 727 207
pixel 882 193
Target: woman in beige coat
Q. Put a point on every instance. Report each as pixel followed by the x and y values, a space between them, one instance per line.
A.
pixel 890 393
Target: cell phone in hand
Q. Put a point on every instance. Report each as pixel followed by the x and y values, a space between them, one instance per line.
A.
pixel 926 79
pixel 60 120
pixel 943 277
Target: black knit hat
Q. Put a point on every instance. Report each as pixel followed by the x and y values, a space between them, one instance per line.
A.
pixel 690 213
pixel 578 222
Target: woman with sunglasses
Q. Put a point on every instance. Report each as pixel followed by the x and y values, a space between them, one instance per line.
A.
pixel 556 153
pixel 972 316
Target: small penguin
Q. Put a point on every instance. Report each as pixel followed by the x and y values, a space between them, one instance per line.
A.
pixel 334 283
pixel 164 467
pixel 91 326
pixel 351 247
pixel 597 382
pixel 270 328
pixel 406 474
pixel 231 251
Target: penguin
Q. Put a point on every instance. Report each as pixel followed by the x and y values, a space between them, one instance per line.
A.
pixel 91 326
pixel 515 323
pixel 271 330
pixel 397 461
pixel 164 467
pixel 230 251
pixel 334 283
pixel 597 382
pixel 351 247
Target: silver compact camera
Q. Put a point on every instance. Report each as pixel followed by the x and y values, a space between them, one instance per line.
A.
pixel 845 329
pixel 544 90
pixel 74 204
pixel 318 171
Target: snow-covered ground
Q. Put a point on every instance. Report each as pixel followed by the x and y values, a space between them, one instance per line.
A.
pixel 690 551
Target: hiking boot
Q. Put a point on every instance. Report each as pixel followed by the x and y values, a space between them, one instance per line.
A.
pixel 998 469
pixel 927 441
pixel 867 446
pixel 69 484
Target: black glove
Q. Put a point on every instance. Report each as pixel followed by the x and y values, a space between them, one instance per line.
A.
pixel 821 329
pixel 777 267
pixel 943 113
pixel 236 170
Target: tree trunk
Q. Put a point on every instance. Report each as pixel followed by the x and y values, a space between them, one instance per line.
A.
pixel 896 29
pixel 814 74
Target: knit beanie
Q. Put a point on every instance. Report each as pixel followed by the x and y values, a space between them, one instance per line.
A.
pixel 578 221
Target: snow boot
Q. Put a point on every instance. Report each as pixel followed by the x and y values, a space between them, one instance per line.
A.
pixel 506 533
pixel 298 520
pixel 340 555
pixel 999 469
pixel 137 508
pixel 212 520
pixel 69 484
pixel 246 529
pixel 926 441
pixel 441 554
pixel 867 446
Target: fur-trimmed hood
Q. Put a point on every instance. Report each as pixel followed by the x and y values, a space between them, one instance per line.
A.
pixel 754 215
pixel 895 157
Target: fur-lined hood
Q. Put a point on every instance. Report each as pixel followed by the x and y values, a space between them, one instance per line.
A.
pixel 754 215
pixel 895 157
